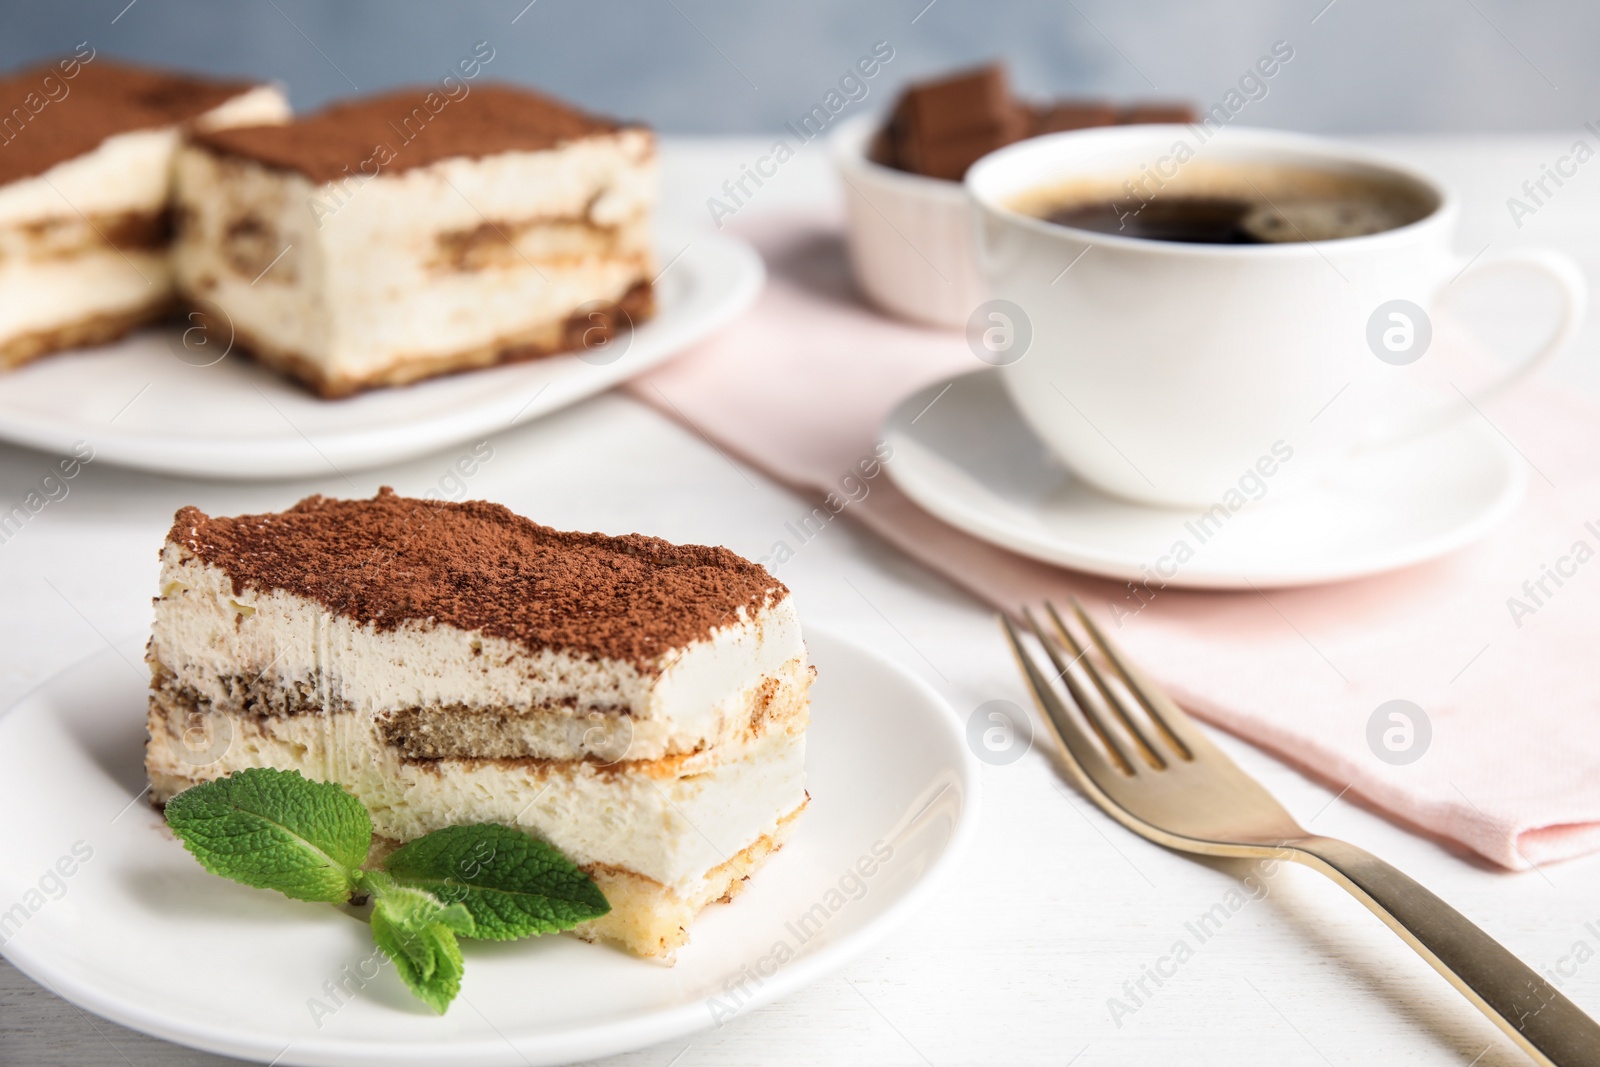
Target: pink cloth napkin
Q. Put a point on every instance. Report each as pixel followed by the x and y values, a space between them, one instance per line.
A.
pixel 800 386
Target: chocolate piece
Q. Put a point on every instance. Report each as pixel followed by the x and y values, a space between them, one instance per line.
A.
pixel 1172 111
pixel 48 118
pixel 940 128
pixel 949 157
pixel 960 104
pixel 477 566
pixel 410 128
pixel 1065 115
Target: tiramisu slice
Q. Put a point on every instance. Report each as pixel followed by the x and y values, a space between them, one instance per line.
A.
pixel 640 705
pixel 86 150
pixel 409 235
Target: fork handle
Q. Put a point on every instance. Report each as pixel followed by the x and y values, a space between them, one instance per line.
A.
pixel 1547 1025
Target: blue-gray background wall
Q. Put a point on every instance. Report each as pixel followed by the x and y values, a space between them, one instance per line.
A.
pixel 720 66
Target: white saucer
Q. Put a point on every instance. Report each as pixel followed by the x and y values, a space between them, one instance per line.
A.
pixel 141 935
pixel 971 461
pixel 139 405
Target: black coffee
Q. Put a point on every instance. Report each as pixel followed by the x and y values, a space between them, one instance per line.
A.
pixel 1193 219
pixel 1236 205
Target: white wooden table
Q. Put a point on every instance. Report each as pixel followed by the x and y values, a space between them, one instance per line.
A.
pixel 1056 908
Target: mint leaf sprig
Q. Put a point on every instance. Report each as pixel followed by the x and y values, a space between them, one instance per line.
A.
pixel 418 933
pixel 309 840
pixel 511 884
pixel 276 830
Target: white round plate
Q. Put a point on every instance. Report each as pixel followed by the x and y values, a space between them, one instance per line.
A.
pixel 140 934
pixel 139 405
pixel 971 460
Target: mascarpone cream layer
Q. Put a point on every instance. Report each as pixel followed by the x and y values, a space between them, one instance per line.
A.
pixel 58 292
pixel 213 640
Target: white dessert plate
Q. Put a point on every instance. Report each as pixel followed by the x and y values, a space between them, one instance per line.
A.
pixel 140 405
pixel 138 933
pixel 971 460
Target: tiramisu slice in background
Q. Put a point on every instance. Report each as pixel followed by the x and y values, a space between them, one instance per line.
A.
pixel 413 234
pixel 86 151
pixel 640 705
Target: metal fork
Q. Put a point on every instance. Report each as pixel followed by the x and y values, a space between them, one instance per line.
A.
pixel 1143 760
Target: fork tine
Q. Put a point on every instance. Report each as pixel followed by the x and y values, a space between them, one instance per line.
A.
pixel 1173 722
pixel 1111 700
pixel 1080 748
pixel 1080 697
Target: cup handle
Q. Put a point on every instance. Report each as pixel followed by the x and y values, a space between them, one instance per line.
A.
pixel 1568 278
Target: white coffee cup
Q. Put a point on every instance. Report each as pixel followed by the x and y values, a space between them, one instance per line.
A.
pixel 1162 371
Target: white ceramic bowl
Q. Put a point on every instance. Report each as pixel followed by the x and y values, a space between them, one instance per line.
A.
pixel 910 237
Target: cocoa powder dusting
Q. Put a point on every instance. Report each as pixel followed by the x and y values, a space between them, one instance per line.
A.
pixel 409 128
pixel 55 118
pixel 477 566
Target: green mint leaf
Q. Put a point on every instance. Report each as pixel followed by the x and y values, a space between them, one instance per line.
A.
pixel 275 830
pixel 418 932
pixel 409 908
pixel 514 885
pixel 428 959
